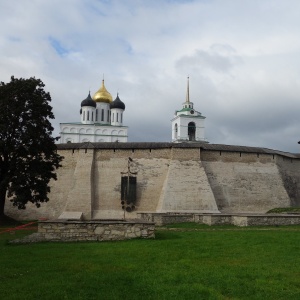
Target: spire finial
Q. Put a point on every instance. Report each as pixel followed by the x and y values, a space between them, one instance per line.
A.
pixel 188 90
pixel 103 81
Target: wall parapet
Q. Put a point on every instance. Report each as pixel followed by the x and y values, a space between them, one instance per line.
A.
pixel 167 218
pixel 95 230
pixel 249 219
pixel 79 231
pixel 223 219
pixel 160 145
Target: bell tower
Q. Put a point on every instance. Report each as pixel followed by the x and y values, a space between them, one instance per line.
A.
pixel 188 124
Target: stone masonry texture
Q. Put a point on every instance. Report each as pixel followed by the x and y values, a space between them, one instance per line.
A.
pixel 182 178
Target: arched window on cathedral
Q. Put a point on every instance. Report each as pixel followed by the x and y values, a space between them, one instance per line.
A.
pixel 92 116
pixel 176 131
pixel 102 114
pixel 88 116
pixel 96 117
pixel 192 131
pixel 83 115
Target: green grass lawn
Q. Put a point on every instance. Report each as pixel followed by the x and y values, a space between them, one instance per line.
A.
pixel 284 210
pixel 191 262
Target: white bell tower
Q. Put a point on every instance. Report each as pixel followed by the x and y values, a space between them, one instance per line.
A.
pixel 188 124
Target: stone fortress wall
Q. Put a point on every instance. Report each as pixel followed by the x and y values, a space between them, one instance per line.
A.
pixel 175 178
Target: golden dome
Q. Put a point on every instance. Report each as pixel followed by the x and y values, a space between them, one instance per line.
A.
pixel 102 95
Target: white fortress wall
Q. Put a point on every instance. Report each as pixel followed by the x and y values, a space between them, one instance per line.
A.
pixel 151 166
pixel 289 169
pixel 186 188
pixel 58 196
pixel 170 178
pixel 81 191
pixel 245 182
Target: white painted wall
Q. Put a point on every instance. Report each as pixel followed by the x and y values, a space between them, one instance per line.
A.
pixel 106 113
pixel 78 133
pixel 117 117
pixel 182 122
pixel 88 115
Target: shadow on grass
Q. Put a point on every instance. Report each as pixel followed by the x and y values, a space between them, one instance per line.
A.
pixel 8 221
pixel 166 235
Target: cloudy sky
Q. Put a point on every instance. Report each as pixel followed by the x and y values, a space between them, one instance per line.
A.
pixel 242 57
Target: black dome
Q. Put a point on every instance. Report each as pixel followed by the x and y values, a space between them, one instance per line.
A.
pixel 88 101
pixel 117 103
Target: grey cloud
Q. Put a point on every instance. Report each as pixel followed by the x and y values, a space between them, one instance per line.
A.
pixel 219 58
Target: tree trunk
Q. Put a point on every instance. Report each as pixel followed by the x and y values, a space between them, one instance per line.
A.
pixel 2 202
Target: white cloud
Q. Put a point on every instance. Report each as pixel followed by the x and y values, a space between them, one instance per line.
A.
pixel 242 58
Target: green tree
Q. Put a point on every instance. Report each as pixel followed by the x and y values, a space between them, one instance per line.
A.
pixel 28 156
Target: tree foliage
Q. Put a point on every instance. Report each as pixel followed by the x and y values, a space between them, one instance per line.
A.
pixel 28 157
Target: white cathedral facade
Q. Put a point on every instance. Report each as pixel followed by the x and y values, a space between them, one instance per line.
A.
pixel 188 124
pixel 101 120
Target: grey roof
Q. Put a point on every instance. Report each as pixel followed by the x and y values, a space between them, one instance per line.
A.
pixel 117 103
pixel 115 145
pixel 161 145
pixel 88 101
pixel 247 149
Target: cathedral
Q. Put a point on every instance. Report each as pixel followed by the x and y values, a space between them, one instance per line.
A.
pixel 101 120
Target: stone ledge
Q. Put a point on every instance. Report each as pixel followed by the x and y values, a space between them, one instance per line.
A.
pixel 71 215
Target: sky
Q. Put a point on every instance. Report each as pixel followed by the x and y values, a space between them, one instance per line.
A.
pixel 242 58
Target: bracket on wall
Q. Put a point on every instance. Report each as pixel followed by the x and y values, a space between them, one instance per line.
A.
pixel 128 188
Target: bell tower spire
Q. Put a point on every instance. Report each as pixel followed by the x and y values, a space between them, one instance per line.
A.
pixel 187 99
